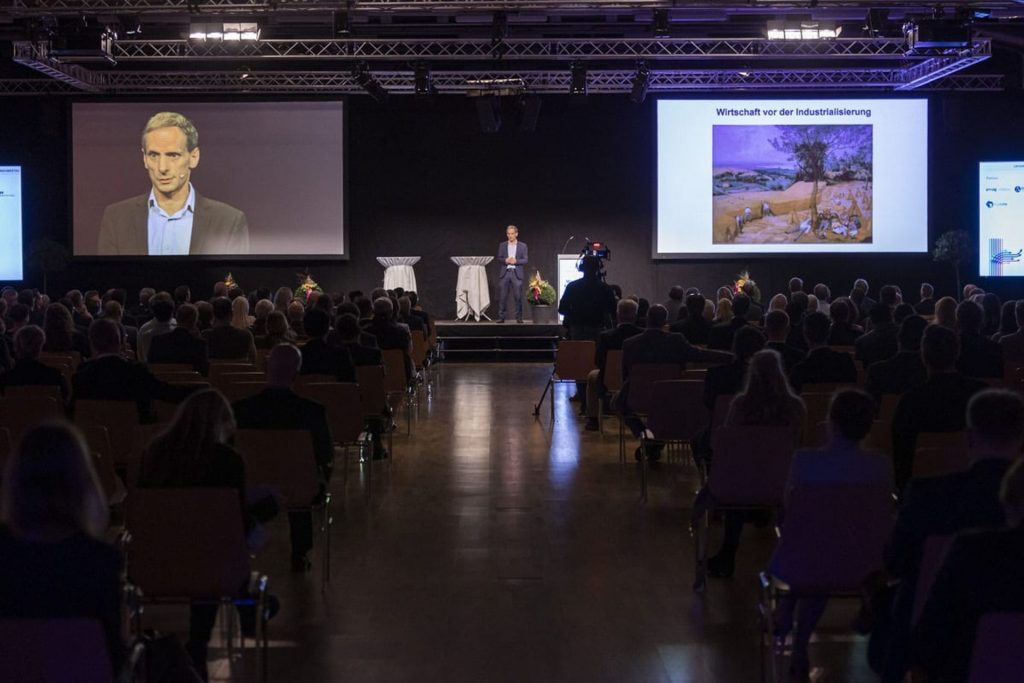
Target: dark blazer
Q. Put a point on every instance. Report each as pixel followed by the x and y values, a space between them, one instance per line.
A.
pixel 390 335
pixel 881 343
pixel 414 323
pixel 74 577
pixel 319 358
pixel 659 346
pixel 981 575
pixel 279 408
pixel 180 346
pixel 112 378
pixel 695 328
pixel 226 341
pixel 720 336
pixel 925 307
pixel 844 335
pixel 1013 347
pixel 521 259
pixel 791 355
pixel 428 324
pixel 217 228
pixel 28 372
pixel 823 365
pixel 898 375
pixel 361 354
pixel 980 356
pixel 723 380
pixel 938 405
pixel 612 340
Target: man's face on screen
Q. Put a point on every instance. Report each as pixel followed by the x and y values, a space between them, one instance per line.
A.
pixel 168 160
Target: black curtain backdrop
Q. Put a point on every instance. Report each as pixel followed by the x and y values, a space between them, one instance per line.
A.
pixel 424 180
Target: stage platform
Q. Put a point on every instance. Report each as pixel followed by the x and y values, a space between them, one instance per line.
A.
pixel 508 341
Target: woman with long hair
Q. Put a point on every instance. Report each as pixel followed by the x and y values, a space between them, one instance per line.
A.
pixel 278 331
pixel 282 297
pixel 723 311
pixel 52 561
pixel 61 334
pixel 240 317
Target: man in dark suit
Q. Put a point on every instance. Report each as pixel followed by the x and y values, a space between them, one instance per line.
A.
pixel 864 302
pixel 696 328
pixel 979 355
pixel 321 358
pixel 226 341
pixel 173 219
pixel 365 338
pixel 905 370
pixel 183 344
pixel 350 336
pixel 981 575
pixel 722 333
pixel 609 340
pixel 822 364
pixel 108 376
pixel 405 316
pixel 942 506
pixel 926 306
pixel 389 334
pixel 880 341
pixel 756 311
pixel 674 303
pixel 776 329
pixel 512 256
pixel 418 311
pixel 588 304
pixel 729 378
pixel 27 370
pixel 278 407
pixel 938 405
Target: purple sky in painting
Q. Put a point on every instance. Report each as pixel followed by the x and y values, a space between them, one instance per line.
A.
pixel 747 147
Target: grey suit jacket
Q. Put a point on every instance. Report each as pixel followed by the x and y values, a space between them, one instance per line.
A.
pixel 217 229
pixel 521 259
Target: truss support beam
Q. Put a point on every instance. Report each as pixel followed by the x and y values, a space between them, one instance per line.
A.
pixel 930 70
pixel 36 55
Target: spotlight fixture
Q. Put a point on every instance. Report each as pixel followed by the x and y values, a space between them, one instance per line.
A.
pixel 232 31
pixel 804 30
pixel 423 83
pixel 370 84
pixel 578 86
pixel 661 23
pixel 641 82
pixel 342 28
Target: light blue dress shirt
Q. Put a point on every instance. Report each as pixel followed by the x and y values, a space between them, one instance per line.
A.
pixel 171 235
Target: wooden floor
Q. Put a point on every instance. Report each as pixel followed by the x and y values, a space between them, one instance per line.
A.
pixel 499 548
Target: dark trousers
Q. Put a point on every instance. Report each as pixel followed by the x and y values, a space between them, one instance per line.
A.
pixel 510 283
pixel 301 525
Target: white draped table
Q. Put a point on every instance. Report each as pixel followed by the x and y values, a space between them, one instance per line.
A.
pixel 398 272
pixel 472 293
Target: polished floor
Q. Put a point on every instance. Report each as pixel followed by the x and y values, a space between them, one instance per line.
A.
pixel 500 547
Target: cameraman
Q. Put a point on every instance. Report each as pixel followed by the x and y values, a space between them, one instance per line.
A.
pixel 588 304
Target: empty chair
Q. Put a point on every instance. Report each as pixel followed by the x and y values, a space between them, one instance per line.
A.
pixel 344 413
pixel 20 415
pixel 119 417
pixel 573 362
pixel 676 416
pixel 612 382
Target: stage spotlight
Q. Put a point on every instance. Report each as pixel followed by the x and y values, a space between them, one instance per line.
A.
pixel 370 84
pixel 423 83
pixel 578 86
pixel 641 82
pixel 661 23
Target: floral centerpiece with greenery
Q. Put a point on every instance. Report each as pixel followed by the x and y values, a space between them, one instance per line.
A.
pixel 307 285
pixel 744 279
pixel 953 247
pixel 540 292
pixel 229 281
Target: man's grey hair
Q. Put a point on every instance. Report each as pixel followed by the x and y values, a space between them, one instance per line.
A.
pixel 626 311
pixel 170 119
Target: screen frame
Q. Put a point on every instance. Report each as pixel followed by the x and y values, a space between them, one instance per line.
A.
pixel 773 96
pixel 209 258
pixel 20 165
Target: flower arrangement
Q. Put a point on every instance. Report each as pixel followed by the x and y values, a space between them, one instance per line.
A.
pixel 539 291
pixel 230 281
pixel 307 285
pixel 744 279
pixel 953 247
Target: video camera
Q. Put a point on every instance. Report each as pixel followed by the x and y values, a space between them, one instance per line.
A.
pixel 598 250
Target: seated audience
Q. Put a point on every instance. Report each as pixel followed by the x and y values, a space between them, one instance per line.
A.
pixel 53 562
pixel 389 334
pixel 296 312
pixel 905 370
pixel 27 370
pixel 728 379
pixel 824 296
pixel 610 340
pixel 695 327
pixel 182 345
pixel 205 310
pixel 1007 320
pixel 364 338
pixel 797 311
pixel 61 335
pixel 162 322
pixel 282 297
pixel 721 334
pixel 880 341
pixel 942 506
pixel 224 340
pixel 926 306
pixel 992 309
pixel 405 317
pixel 417 310
pixel 321 358
pixel 263 308
pixel 349 335
pixel 945 312
pixel 776 329
pixel 979 355
pixel 756 312
pixel 1013 344
pixel 240 317
pixel 822 365
pixel 902 312
pixel 278 331
pixel 674 302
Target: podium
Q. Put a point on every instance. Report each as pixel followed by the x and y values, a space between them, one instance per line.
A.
pixel 398 272
pixel 472 294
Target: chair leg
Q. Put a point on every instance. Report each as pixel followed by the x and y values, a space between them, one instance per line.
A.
pixel 700 549
pixel 643 471
pixel 325 527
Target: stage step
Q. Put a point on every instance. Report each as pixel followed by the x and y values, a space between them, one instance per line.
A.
pixel 491 341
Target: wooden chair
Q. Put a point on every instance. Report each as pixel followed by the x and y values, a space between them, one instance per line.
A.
pixel 34 391
pixel 612 381
pixel 188 545
pixel 421 357
pixel 119 417
pixel 998 653
pixel 831 542
pixel 5 449
pixel 573 362
pixel 314 378
pixel 159 368
pixel 176 376
pixel 141 438
pixel 940 453
pixel 676 416
pixel 236 391
pixel 373 399
pixel 344 413
pixel 73 358
pixel 817 404
pixel 396 383
pixel 98 440
pixel 932 556
pixel 641 380
pixel 887 407
pixel 22 414
pixel 54 650
pixel 60 363
pixel 283 460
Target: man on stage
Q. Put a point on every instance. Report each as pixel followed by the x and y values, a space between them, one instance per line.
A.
pixel 512 256
pixel 173 219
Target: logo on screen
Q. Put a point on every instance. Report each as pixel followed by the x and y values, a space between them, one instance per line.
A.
pixel 1016 189
pixel 990 204
pixel 990 189
pixel 1007 256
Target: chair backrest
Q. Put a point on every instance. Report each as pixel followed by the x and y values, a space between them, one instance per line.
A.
pixel 142 435
pixel 187 543
pixel 575 359
pixel 314 378
pixel 219 369
pixel 5 449
pixel 22 414
pixel 822 388
pixel 176 376
pixel 751 465
pixel 342 403
pixel 395 381
pixel 998 653
pixel 932 557
pixel 119 417
pixel 833 536
pixel 613 370
pixel 641 380
pixel 236 391
pixel 34 391
pixel 161 368
pixel 419 349
pixel 887 406
pixel 952 440
pixel 677 411
pixel 372 395
pixel 698 374
pixel 879 439
pixel 54 650
pixel 282 460
pixel 939 461
pixel 816 404
pixel 62 363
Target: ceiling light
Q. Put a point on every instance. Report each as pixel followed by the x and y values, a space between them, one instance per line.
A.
pixel 641 83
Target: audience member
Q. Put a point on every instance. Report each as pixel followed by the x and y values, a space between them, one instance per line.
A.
pixel 282 297
pixel 880 341
pixel 822 365
pixel 61 335
pixel 674 302
pixel 1013 344
pixel 240 318
pixel 945 312
pixel 795 285
pixel 225 341
pixel 695 327
pixel 1007 320
pixel 321 358
pixel 866 303
pixel 350 336
pixel 610 340
pixel 926 306
pixel 27 370
pixel 278 331
pixel 182 345
pixel 262 309
pixel 405 316
pixel 756 311
pixel 824 295
pixel 296 312
pixel 991 306
pixel 389 334
pixel 721 334
pixel 204 321
pixel 979 355
pixel 905 370
pixel 161 323
pixel 728 379
pixel 776 329
pixel 417 310
pixel 796 309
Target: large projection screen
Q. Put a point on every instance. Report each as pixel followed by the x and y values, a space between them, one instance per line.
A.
pixel 1000 217
pixel 11 267
pixel 269 178
pixel 767 176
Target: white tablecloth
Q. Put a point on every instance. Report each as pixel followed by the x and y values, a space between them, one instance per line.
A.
pixel 398 272
pixel 472 294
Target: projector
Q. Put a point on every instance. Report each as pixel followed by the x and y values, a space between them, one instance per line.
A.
pixel 937 35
